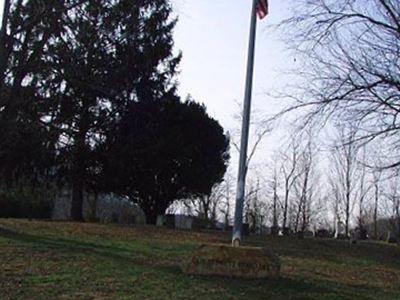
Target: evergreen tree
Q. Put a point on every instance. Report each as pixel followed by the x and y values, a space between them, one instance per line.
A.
pixel 162 151
pixel 26 140
pixel 84 63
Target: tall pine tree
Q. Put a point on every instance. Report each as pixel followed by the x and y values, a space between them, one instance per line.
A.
pixel 84 62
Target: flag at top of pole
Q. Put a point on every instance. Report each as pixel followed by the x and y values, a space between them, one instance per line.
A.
pixel 262 8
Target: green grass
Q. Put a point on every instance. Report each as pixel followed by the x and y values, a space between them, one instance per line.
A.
pixel 47 260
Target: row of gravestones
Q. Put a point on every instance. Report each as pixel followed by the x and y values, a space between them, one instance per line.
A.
pixel 193 223
pixel 106 208
pixel 184 222
pixel 361 234
pixel 392 238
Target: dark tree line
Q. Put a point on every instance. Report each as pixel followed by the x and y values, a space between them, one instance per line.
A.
pixel 90 85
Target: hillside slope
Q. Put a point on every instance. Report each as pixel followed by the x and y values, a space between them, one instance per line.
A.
pixel 47 260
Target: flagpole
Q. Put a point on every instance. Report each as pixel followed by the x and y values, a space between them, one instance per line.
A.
pixel 241 183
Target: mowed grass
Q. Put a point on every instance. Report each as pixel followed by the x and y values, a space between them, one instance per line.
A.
pixel 50 260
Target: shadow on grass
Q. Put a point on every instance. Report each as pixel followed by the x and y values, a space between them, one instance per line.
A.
pixel 136 253
pixel 124 252
pixel 286 288
pixel 337 251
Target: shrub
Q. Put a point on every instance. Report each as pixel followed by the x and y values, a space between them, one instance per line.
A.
pixel 25 202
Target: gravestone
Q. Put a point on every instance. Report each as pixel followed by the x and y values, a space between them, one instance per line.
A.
pixel 160 221
pixel 323 233
pixel 391 238
pixel 183 222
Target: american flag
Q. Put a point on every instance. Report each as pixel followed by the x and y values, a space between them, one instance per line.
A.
pixel 262 8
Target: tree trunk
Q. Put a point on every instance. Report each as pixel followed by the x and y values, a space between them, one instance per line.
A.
pixel 275 212
pixel 347 216
pixel 398 228
pixel 205 202
pixel 348 188
pixel 361 215
pixel 78 177
pixel 285 209
pixel 77 191
pixel 151 217
pixel 93 208
pixel 376 212
pixel 305 217
pixel 80 154
pixel 3 35
pixel 77 200
pixel 152 208
pixel 397 221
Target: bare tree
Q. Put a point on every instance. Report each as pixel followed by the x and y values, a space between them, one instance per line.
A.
pixel 208 205
pixel 344 175
pixel 254 208
pixel 351 66
pixel 364 188
pixel 225 207
pixel 377 174
pixel 306 184
pixel 273 187
pixel 259 129
pixel 335 200
pixel 290 174
pixel 393 195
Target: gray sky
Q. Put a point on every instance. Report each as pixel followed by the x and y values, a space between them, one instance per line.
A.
pixel 213 36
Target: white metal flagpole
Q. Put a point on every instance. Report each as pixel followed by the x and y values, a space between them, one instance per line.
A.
pixel 241 183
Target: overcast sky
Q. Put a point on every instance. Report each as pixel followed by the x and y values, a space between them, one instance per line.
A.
pixel 213 37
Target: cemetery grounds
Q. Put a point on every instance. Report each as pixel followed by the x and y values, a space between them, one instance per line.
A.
pixel 55 260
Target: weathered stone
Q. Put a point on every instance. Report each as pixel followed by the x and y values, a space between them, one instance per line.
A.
pixel 391 238
pixel 241 262
pixel 105 208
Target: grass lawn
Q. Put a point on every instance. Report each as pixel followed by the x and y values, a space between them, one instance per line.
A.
pixel 49 260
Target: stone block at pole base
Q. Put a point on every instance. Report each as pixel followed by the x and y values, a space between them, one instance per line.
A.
pixel 236 262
